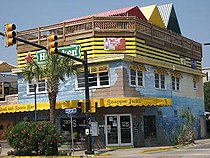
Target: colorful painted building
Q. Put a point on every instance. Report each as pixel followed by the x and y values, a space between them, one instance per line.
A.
pixel 141 75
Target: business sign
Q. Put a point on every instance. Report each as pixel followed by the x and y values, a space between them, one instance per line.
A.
pixel 73 50
pixel 111 43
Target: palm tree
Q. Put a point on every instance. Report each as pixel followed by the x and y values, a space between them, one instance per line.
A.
pixel 190 121
pixel 54 69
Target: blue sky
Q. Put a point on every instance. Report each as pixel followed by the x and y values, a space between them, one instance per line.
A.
pixel 193 17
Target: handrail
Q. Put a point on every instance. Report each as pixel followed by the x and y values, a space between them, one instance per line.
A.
pixel 123 23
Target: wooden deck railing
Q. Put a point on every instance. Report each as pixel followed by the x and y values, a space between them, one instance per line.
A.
pixel 113 24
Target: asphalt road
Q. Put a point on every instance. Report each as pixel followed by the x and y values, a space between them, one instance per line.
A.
pixel 197 151
pixel 200 150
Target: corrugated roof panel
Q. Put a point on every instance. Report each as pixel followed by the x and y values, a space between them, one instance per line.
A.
pixel 147 11
pixel 165 12
pixel 153 15
pixel 132 11
pixel 169 17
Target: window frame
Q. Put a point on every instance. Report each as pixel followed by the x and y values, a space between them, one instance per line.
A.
pixel 195 85
pixel 136 78
pixel 98 81
pixel 160 81
pixel 177 80
pixel 37 87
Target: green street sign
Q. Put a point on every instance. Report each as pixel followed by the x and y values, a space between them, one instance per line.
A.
pixel 73 50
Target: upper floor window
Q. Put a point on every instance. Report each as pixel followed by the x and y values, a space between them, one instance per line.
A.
pixel 137 75
pixel 195 84
pixel 160 78
pixel 41 87
pixel 97 77
pixel 175 83
pixel 160 81
pixel 175 80
pixel 136 78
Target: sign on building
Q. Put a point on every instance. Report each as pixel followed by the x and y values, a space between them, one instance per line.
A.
pixel 111 43
pixel 73 50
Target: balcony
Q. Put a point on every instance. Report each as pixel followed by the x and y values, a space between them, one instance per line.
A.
pixel 116 26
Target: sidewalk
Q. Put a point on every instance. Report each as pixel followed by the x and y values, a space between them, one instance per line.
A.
pixel 121 152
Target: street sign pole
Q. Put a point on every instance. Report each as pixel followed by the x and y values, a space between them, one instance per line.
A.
pixel 72 135
pixel 70 112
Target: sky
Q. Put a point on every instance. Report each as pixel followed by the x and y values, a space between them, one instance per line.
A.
pixel 193 17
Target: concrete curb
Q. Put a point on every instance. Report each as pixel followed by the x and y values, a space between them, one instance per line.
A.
pixel 158 149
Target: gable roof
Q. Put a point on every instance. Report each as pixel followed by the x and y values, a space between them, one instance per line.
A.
pixel 169 17
pixel 6 67
pixel 153 15
pixel 129 11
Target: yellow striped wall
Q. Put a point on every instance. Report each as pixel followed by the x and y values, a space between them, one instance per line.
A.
pixel 134 47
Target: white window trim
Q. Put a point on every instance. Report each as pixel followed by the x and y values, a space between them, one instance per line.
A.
pixel 136 76
pixel 37 92
pixel 93 87
pixel 159 76
pixel 196 84
pixel 176 83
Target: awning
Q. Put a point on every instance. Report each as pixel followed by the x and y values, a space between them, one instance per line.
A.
pixel 102 102
pixel 135 101
pixel 40 106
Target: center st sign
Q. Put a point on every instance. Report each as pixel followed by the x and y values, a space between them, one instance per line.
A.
pixel 73 50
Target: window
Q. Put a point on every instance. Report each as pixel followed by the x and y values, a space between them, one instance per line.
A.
pixel 136 77
pixel 175 83
pixel 97 79
pixel 194 84
pixel 159 81
pixel 41 87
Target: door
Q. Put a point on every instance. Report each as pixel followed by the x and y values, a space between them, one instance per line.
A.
pixel 118 130
pixel 149 127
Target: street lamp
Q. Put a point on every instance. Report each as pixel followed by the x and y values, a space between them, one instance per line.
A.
pixel 34 83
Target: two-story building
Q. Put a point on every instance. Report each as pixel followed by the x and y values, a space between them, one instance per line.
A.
pixel 142 75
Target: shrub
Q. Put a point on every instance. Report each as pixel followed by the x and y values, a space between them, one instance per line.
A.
pixel 34 138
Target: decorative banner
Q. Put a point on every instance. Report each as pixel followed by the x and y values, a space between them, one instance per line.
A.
pixel 111 43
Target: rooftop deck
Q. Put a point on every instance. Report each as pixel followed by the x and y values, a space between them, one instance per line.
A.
pixel 128 26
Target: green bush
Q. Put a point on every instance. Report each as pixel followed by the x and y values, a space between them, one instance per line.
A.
pixel 34 138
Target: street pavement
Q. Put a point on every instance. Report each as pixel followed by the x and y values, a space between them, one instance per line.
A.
pixel 203 146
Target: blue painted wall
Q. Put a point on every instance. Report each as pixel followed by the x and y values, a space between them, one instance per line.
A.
pixel 167 123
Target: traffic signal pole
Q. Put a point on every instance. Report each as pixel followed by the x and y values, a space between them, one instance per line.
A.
pixel 87 97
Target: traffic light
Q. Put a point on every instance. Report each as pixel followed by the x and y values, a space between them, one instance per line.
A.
pixel 10 34
pixel 53 44
pixel 93 106
pixel 81 107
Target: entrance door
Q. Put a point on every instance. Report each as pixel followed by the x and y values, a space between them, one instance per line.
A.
pixel 119 130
